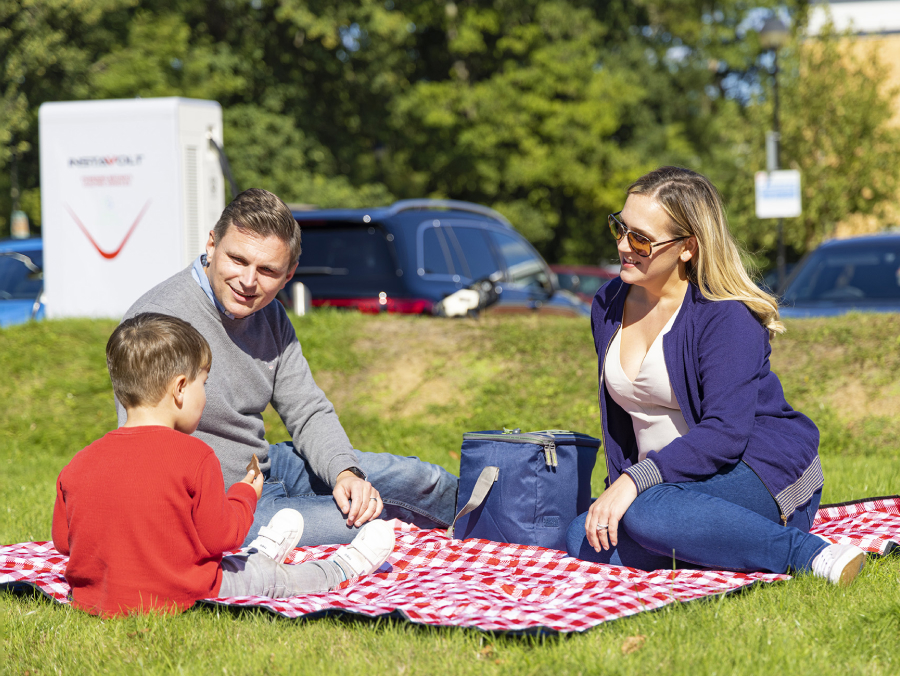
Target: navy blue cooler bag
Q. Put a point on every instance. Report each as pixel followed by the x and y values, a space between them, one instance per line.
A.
pixel 523 487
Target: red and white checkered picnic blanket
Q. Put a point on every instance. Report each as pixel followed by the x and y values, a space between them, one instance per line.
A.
pixel 432 579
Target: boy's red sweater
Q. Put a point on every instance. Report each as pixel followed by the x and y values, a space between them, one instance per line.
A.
pixel 144 517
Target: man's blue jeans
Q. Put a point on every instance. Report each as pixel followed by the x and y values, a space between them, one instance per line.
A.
pixel 413 491
pixel 728 522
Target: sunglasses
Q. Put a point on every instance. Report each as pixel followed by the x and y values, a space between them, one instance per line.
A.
pixel 641 245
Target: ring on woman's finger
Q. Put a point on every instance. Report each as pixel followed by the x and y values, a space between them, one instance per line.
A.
pixel 602 526
pixel 373 499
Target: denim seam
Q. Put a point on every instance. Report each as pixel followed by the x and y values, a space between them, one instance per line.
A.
pixel 808 565
pixel 393 503
pixel 420 512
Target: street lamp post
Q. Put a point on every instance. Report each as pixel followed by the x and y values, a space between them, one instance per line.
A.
pixel 773 36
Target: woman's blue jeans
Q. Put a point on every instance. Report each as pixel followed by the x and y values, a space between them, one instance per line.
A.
pixel 727 522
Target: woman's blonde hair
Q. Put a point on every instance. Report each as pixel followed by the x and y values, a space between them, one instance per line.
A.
pixel 695 207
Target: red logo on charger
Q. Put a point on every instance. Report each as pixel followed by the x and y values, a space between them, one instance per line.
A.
pixel 108 254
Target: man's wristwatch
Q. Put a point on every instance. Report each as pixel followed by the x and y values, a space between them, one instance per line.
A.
pixel 358 472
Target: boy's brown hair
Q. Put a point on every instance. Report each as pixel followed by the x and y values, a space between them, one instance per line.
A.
pixel 262 213
pixel 145 353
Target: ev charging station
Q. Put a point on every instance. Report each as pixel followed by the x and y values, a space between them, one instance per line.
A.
pixel 129 192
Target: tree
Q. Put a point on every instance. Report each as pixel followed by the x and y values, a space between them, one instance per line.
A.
pixel 836 131
pixel 544 109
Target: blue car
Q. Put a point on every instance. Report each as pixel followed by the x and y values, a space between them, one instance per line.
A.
pixel 859 274
pixel 21 280
pixel 411 256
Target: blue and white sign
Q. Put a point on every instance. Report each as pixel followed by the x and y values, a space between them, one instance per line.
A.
pixel 778 194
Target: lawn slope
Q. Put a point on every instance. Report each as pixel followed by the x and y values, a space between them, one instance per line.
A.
pixel 412 386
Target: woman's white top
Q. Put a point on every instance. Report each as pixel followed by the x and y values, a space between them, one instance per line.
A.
pixel 649 398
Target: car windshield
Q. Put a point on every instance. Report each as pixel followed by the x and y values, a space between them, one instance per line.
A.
pixel 854 272
pixel 523 267
pixel 18 281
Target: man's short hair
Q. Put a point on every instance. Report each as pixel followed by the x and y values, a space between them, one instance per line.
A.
pixel 147 352
pixel 260 212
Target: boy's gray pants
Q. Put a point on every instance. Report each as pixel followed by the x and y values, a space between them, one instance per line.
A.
pixel 254 574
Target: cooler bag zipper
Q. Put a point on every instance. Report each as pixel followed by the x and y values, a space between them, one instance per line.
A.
pixel 545 438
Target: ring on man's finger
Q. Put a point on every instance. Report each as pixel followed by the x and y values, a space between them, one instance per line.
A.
pixel 602 526
pixel 374 499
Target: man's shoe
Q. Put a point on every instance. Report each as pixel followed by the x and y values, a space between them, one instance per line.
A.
pixel 839 564
pixel 369 549
pixel 279 538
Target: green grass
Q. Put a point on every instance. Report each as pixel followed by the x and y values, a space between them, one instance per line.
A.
pixel 413 386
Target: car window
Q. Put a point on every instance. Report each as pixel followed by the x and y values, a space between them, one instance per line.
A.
pixel 524 269
pixel 437 258
pixel 17 280
pixel 355 252
pixel 590 283
pixel 568 281
pixel 835 275
pixel 475 252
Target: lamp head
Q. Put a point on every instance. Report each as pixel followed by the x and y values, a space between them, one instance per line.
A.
pixel 774 34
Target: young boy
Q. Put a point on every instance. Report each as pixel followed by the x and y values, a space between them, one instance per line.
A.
pixel 143 513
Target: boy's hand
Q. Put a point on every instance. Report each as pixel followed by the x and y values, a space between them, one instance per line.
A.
pixel 356 498
pixel 256 482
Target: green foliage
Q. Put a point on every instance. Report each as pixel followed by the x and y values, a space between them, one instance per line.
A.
pixel 159 58
pixel 544 109
pixel 836 130
pixel 276 155
pixel 414 385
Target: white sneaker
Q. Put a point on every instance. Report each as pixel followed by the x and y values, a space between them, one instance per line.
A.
pixel 279 538
pixel 839 564
pixel 369 549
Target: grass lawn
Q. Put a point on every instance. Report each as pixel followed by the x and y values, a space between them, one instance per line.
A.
pixel 413 386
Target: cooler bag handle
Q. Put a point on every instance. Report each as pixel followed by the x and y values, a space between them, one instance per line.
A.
pixel 482 487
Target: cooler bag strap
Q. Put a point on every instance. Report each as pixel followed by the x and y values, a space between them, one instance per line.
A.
pixel 482 487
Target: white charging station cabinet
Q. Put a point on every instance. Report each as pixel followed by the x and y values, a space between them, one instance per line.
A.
pixel 130 189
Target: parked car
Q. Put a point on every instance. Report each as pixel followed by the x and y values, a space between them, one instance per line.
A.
pixel 411 256
pixel 21 280
pixel 861 273
pixel 582 280
pixel 769 280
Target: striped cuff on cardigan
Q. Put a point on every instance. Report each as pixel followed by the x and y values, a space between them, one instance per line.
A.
pixel 644 474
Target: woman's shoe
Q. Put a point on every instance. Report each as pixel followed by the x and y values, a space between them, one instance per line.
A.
pixel 839 564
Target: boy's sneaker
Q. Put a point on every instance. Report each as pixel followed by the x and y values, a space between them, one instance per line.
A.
pixel 839 564
pixel 369 549
pixel 279 538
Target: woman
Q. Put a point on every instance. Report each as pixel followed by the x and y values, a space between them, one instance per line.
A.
pixel 708 466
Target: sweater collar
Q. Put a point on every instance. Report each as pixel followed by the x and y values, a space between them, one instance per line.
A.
pixel 199 274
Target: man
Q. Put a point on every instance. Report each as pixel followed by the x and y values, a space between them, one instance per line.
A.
pixel 227 295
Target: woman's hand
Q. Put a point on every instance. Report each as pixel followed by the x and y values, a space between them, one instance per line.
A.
pixel 608 510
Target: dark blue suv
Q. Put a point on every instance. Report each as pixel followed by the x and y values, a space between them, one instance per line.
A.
pixel 409 257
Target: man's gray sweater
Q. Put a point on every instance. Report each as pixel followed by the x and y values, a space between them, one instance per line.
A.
pixel 255 361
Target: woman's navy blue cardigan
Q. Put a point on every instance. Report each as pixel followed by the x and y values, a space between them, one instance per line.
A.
pixel 717 355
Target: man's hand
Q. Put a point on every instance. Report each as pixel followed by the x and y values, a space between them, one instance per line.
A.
pixel 256 483
pixel 357 498
pixel 607 511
